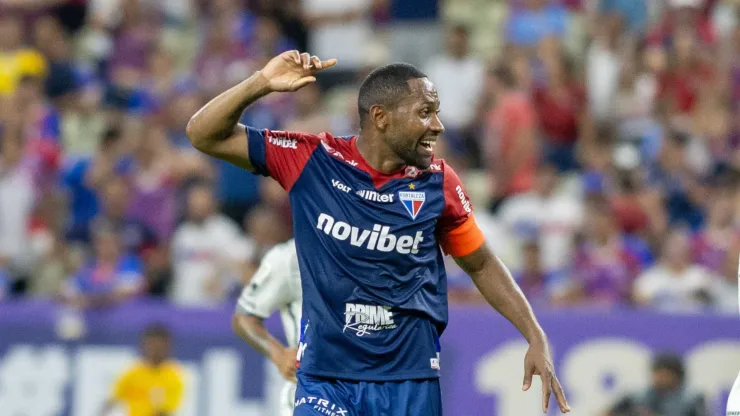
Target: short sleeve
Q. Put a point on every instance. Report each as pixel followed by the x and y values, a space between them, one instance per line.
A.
pixel 457 231
pixel 268 289
pixel 281 155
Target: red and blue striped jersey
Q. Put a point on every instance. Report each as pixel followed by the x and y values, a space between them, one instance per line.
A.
pixel 368 243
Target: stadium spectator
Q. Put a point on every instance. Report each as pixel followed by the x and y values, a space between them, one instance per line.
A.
pixel 17 59
pixel 339 29
pixel 606 261
pixel 135 39
pixel 309 115
pixel 265 228
pixel 672 179
pixel 715 244
pixel 668 393
pixel 692 14
pixel 543 288
pixel 633 12
pixel 223 59
pixel 136 237
pixel 154 384
pixel 109 276
pixel 153 182
pixel 602 65
pixel 81 179
pixel 553 215
pixel 267 40
pixel 561 111
pixel 208 253
pixel 290 16
pixel 510 137
pixel 52 263
pixel 186 99
pixel 534 20
pixel 17 196
pixel 675 284
pixel 680 85
pixel 459 78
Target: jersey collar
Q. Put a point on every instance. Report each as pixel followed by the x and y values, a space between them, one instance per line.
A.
pixel 380 179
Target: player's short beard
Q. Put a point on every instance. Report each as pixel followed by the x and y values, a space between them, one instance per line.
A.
pixel 407 152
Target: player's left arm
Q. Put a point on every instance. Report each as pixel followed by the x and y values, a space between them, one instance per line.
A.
pixel 460 237
pixel 498 287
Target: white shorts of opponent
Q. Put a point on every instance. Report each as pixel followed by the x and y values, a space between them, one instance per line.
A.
pixel 287 399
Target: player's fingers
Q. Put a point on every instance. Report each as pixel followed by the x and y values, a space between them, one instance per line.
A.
pixel 528 372
pixel 328 63
pixel 560 395
pixel 546 392
pixel 302 83
pixel 315 62
pixel 296 57
pixel 305 60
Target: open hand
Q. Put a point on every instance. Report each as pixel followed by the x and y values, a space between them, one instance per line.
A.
pixel 538 361
pixel 292 70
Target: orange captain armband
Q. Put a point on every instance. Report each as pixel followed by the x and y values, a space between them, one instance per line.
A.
pixel 463 240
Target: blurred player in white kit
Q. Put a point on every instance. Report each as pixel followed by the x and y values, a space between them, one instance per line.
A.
pixel 733 401
pixel 276 285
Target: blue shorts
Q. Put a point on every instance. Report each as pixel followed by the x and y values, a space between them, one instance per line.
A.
pixel 320 396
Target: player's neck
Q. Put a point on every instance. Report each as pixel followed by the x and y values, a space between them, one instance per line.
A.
pixel 155 363
pixel 377 155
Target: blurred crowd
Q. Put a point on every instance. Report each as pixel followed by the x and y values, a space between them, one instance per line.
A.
pixel 599 140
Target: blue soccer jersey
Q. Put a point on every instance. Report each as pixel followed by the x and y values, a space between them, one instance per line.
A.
pixel 368 243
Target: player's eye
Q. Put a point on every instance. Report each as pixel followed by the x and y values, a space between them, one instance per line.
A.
pixel 425 112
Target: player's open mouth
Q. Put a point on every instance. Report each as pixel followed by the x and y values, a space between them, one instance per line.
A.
pixel 427 145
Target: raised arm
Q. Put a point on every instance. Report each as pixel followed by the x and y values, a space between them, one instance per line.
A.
pixel 215 128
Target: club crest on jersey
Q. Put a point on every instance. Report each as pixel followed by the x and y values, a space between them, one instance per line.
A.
pixel 412 201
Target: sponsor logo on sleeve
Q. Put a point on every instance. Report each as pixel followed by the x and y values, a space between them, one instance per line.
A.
pixel 463 200
pixel 283 142
pixel 337 154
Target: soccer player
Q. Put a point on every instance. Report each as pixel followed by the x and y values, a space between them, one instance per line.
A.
pixel 275 285
pixel 370 213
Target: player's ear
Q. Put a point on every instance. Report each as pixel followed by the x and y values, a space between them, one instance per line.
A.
pixel 379 117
